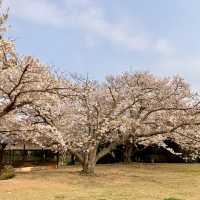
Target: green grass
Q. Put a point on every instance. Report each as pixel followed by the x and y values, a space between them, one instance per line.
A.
pixel 171 198
pixel 112 182
pixel 7 172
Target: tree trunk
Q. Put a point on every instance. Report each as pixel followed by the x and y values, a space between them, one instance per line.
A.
pixel 72 159
pixel 89 158
pixel 1 159
pixel 1 156
pixel 128 152
pixel 2 147
pixel 89 162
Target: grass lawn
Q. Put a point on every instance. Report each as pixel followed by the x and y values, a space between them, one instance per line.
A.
pixel 119 182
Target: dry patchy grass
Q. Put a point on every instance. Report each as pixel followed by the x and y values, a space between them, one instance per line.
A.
pixel 112 182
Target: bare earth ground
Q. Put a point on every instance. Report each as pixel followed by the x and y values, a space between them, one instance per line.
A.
pixel 112 182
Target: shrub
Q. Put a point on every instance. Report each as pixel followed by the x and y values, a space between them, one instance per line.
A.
pixel 172 198
pixel 7 172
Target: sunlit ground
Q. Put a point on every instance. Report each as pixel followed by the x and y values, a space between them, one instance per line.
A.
pixel 119 182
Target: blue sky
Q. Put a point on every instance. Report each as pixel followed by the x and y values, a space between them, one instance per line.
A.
pixel 102 37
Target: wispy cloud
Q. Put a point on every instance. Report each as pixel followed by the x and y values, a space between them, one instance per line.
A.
pixel 43 12
pixel 89 17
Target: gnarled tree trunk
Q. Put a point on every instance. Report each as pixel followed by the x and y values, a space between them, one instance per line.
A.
pixel 128 149
pixel 89 158
pixel 89 162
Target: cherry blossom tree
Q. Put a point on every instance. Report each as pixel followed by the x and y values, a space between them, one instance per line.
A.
pixel 166 108
pixel 24 83
pixel 91 119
